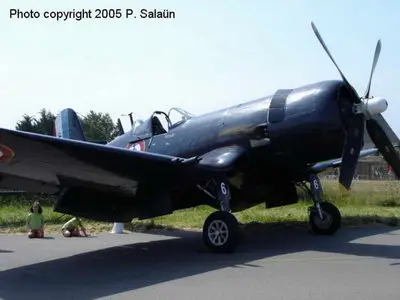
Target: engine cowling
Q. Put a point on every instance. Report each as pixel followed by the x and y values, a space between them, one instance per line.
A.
pixel 376 105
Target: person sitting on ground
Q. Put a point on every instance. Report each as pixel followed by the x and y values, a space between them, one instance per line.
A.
pixel 73 228
pixel 35 221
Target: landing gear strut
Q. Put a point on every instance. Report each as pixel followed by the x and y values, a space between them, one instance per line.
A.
pixel 221 228
pixel 324 217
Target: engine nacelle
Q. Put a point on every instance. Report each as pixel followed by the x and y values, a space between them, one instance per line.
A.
pixel 376 105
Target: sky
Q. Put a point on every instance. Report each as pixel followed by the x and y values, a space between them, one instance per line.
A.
pixel 213 54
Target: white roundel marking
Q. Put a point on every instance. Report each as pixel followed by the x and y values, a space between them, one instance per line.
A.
pixel 136 147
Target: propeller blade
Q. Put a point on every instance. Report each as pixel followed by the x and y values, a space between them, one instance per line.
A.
pixel 351 151
pixel 384 145
pixel 376 57
pixel 327 51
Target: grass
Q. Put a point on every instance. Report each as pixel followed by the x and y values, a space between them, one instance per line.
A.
pixel 370 202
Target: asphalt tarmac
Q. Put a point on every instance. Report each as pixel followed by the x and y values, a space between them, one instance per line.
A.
pixel 271 263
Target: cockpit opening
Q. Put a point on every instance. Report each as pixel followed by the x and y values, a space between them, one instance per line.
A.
pixel 157 127
pixel 160 122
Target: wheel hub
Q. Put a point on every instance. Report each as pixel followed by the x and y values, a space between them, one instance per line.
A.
pixel 218 232
pixel 323 223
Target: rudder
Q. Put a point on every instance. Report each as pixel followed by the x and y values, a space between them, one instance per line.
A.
pixel 68 126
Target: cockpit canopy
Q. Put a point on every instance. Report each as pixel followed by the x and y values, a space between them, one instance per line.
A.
pixel 160 122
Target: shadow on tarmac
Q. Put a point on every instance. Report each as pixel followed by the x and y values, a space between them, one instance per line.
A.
pixel 124 268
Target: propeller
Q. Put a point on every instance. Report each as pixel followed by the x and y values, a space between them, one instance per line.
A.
pixel 359 117
pixel 376 57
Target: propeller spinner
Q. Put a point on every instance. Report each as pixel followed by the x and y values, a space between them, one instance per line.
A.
pixel 364 108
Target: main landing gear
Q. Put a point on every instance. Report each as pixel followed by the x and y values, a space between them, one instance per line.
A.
pixel 324 217
pixel 221 228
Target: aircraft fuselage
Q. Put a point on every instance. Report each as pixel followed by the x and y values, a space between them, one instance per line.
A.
pixel 284 134
pixel 308 129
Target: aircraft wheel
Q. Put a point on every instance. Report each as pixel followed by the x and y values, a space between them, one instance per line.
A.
pixel 221 232
pixel 331 221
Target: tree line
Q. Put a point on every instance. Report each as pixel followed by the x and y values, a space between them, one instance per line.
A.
pixel 96 125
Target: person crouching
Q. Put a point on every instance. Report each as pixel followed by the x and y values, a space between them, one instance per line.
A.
pixel 73 228
pixel 35 221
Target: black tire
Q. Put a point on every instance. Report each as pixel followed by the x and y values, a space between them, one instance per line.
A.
pixel 332 219
pixel 227 222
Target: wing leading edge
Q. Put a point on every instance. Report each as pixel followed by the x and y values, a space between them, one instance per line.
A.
pixel 42 163
pixel 335 163
pixel 49 160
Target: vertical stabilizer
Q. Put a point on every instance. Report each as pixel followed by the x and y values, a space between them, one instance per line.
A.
pixel 68 126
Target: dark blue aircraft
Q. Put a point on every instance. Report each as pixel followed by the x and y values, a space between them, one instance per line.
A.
pixel 231 159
